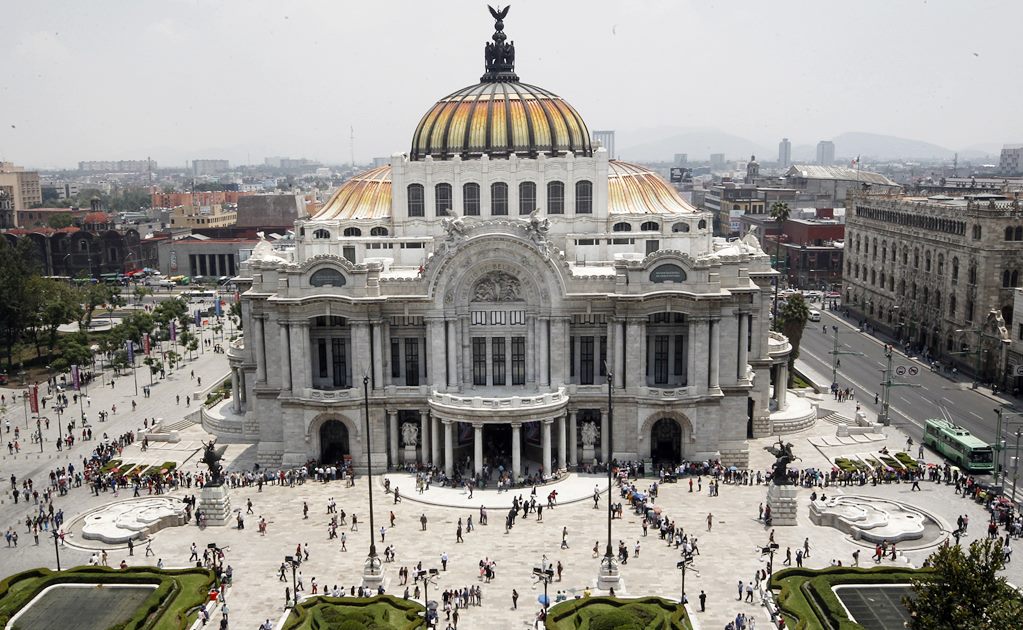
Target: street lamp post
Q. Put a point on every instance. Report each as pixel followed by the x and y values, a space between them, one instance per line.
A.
pixel 685 564
pixel 1005 420
pixel 290 560
pixel 545 574
pixel 372 574
pixel 427 577
pixel 608 576
pixel 56 547
pixel 834 358
pixel 884 417
pixel 1015 466
pixel 769 551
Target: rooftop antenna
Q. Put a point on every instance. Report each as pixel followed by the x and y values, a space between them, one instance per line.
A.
pixel 351 145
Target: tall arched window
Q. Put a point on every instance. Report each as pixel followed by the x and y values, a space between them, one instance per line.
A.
pixel 352 231
pixel 378 231
pixel 951 306
pixel 527 197
pixel 941 264
pixel 442 199
pixel 555 197
pixel 884 251
pixel 416 200
pixel 621 227
pixel 471 199
pixel 498 199
pixel 1018 234
pixel 973 273
pixel 1015 278
pixel 976 232
pixel 702 224
pixel 955 269
pixel 650 226
pixel 584 197
pixel 916 258
pixel 1006 279
pixel 927 261
pixel 1009 233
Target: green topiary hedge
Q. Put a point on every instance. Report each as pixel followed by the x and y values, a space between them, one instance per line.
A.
pixel 606 613
pixel 383 612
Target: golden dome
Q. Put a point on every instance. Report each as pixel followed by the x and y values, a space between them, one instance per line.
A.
pixel 365 196
pixel 632 189
pixel 499 118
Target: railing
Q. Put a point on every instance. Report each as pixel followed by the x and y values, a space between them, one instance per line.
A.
pixel 495 403
pixel 778 344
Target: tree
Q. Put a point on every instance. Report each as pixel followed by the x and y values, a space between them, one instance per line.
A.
pixel 791 321
pixel 17 265
pixel 141 291
pixel 965 590
pixel 780 214
pixel 74 350
pixel 59 221
pixel 56 303
pixel 95 295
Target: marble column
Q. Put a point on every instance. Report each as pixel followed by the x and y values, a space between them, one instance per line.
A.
pixel 385 352
pixel 699 353
pixel 449 449
pixel 605 450
pixel 547 446
pixel 424 437
pixel 465 349
pixel 378 356
pixel 235 395
pixel 434 440
pixel 543 365
pixel 516 450
pixel 781 389
pixel 260 341
pixel 360 351
pixel 715 353
pixel 452 356
pixel 619 354
pixel 285 358
pixel 436 363
pixel 743 345
pixel 635 362
pixel 573 446
pixel 559 353
pixel 477 447
pixel 562 442
pixel 531 370
pixel 392 419
pixel 301 364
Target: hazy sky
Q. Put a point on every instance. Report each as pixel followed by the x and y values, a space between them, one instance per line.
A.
pixel 179 79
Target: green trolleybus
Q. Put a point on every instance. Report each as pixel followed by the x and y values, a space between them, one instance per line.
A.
pixel 959 445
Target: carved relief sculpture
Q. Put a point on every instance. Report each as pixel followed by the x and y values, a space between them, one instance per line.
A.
pixel 409 434
pixel 589 434
pixel 497 287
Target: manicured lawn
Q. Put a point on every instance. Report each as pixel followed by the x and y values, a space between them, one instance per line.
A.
pixel 167 607
pixel 383 612
pixel 606 613
pixel 807 600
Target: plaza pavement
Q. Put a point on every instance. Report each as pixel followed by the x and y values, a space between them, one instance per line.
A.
pixel 728 552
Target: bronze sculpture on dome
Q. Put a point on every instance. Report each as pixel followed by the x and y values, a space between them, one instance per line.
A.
pixel 499 55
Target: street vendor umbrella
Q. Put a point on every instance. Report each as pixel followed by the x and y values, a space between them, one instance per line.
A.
pixel 732 469
pixel 544 600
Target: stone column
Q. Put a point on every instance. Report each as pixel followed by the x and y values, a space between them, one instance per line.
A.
pixel 424 436
pixel 378 355
pixel 436 364
pixel 516 450
pixel 301 365
pixel 547 446
pixel 715 353
pixel 543 354
pixel 477 447
pixel 465 352
pixel 385 352
pixel 285 358
pixel 392 420
pixel 696 345
pixel 619 353
pixel 452 358
pixel 781 389
pixel 635 344
pixel 360 351
pixel 449 449
pixel 743 345
pixel 559 353
pixel 573 446
pixel 531 370
pixel 562 450
pixel 605 450
pixel 235 395
pixel 434 439
pixel 260 341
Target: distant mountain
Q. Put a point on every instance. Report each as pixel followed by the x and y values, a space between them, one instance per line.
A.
pixel 661 145
pixel 882 147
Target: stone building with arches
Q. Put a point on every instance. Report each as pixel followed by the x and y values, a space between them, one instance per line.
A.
pixel 488 287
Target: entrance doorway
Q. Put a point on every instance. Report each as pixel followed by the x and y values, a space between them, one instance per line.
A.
pixel 666 442
pixel 497 443
pixel 333 442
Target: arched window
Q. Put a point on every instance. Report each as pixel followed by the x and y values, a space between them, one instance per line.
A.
pixel 1009 233
pixel 857 243
pixel 941 264
pixel 916 258
pixel 1006 279
pixel 873 277
pixel 378 231
pixel 884 251
pixel 442 199
pixel 976 232
pixel 951 306
pixel 880 279
pixel 680 227
pixel 650 226
pixel 471 199
pixel 937 300
pixel 416 200
pixel 927 294
pixel 912 291
pixel 702 225
pixel 555 197
pixel 621 227
pixel 1018 233
pixel 891 283
pixel 927 261
pixel 955 269
pixel 321 234
pixel 873 250
pixel 498 199
pixel 584 197
pixel 1015 278
pixel 527 197
pixel 352 231
pixel 327 278
pixel 973 273
pixel 905 256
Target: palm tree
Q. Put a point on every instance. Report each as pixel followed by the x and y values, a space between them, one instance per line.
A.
pixel 780 214
pixel 794 316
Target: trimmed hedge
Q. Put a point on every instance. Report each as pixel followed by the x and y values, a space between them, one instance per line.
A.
pixel 382 612
pixel 808 602
pixel 606 613
pixel 168 607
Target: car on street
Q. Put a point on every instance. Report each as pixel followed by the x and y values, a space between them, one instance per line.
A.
pixel 815 315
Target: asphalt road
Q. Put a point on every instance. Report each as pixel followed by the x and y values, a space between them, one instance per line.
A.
pixel 925 395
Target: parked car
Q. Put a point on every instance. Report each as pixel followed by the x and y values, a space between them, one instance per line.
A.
pixel 815 315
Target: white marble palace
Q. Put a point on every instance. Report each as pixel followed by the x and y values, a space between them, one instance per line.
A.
pixel 487 285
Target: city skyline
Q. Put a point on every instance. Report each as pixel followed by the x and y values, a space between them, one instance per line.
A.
pixel 181 81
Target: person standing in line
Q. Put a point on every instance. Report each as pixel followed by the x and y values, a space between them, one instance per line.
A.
pixel 703 601
pixel 422 521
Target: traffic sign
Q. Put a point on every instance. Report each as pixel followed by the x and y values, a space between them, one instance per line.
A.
pixel 901 370
pixel 913 370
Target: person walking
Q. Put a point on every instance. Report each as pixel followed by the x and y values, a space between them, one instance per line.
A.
pixel 703 601
pixel 515 599
pixel 710 521
pixel 564 537
pixel 422 521
pixel 856 558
